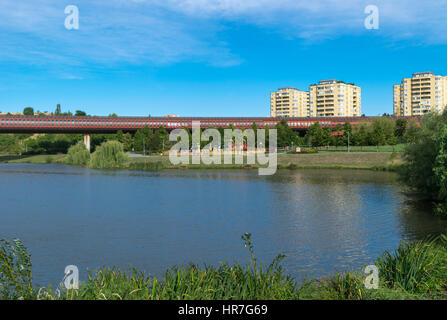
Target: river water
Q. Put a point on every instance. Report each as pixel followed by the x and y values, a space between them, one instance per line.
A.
pixel 322 220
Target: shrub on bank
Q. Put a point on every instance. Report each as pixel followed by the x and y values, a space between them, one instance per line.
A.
pixel 418 267
pixel 309 151
pixel 109 155
pixel 78 155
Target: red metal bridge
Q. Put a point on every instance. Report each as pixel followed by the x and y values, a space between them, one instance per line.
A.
pixel 88 125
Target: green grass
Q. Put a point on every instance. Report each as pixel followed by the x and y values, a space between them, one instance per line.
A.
pixel 322 160
pixel 41 158
pixel 415 270
pixel 397 148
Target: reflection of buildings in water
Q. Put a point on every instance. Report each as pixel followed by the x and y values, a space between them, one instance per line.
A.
pixel 335 215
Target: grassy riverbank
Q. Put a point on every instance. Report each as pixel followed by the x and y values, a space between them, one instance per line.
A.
pixel 40 158
pixel 323 159
pixel 413 271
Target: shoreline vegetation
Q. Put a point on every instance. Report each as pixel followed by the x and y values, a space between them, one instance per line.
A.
pixel 413 271
pixel 380 135
pixel 382 161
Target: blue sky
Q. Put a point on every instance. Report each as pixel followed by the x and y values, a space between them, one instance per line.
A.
pixel 209 57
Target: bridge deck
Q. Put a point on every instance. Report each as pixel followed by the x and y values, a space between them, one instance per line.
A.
pixel 64 124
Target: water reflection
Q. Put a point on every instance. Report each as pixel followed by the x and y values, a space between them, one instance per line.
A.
pixel 321 219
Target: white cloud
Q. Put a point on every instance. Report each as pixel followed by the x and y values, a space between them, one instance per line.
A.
pixel 114 32
pixel 423 20
pixel 168 31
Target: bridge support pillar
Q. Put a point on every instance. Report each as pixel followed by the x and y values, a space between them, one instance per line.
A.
pixel 87 141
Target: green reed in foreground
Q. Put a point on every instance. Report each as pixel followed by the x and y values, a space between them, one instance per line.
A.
pixel 253 281
pixel 413 271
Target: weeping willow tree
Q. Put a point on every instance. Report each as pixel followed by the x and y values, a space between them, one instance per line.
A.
pixel 78 155
pixel 108 156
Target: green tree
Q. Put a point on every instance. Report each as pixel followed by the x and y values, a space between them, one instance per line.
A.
pixel 255 130
pixel 28 111
pixel 347 133
pixel 78 154
pixel 108 155
pixel 58 109
pixel 164 138
pixel 377 136
pixel 125 139
pixel 383 131
pixel 222 133
pixel 361 136
pixel 10 144
pixel 440 165
pixel 327 136
pixel 316 135
pixel 80 113
pixel 285 135
pixel 339 137
pixel 142 139
pixel 401 129
pixel 98 139
pixel 412 132
pixel 425 167
pixel 267 138
pixel 155 142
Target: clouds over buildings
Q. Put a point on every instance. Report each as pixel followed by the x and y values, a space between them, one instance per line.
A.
pixel 169 31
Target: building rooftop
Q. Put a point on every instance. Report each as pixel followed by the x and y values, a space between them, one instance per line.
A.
pixel 287 88
pixel 416 74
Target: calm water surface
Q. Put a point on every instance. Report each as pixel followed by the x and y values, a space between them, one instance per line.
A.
pixel 323 220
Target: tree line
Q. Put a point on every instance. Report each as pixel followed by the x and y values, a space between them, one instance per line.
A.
pixel 29 111
pixel 381 131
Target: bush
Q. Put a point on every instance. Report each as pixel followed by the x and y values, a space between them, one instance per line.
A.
pixel 15 271
pixel 410 267
pixel 78 155
pixel 309 151
pixel 425 169
pixel 346 286
pixel 108 156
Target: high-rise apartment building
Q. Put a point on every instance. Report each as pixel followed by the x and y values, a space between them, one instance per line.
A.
pixel 421 93
pixel 289 102
pixel 334 98
pixel 330 98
